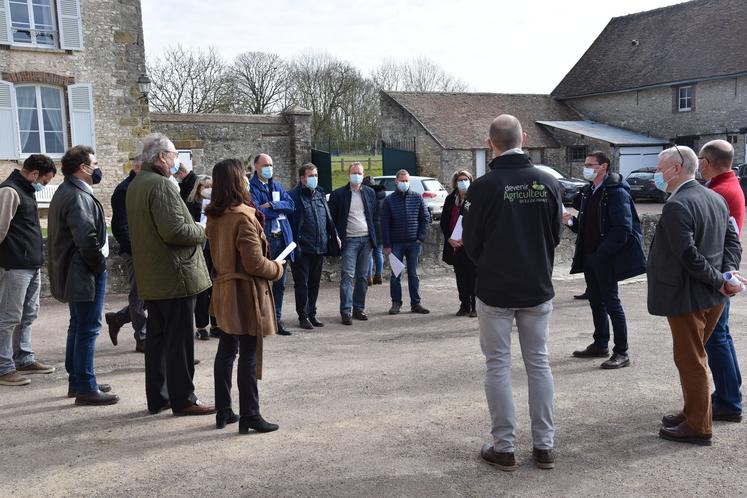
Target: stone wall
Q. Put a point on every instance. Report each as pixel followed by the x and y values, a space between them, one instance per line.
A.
pixel 111 61
pixel 213 137
pixel 431 263
pixel 720 107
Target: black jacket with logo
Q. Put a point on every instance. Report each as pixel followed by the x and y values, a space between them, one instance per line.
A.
pixel 511 226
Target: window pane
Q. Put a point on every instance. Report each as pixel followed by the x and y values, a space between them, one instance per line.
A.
pixel 53 143
pixel 50 98
pixel 52 120
pixel 19 14
pixel 26 96
pixel 28 120
pixel 43 18
pixel 30 143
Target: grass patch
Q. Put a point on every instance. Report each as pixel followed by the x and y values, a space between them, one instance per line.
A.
pixel 372 165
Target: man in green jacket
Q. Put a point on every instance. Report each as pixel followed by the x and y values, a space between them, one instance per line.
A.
pixel 170 271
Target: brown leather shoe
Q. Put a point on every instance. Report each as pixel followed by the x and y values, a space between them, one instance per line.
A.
pixel 96 398
pixel 114 326
pixel 140 347
pixel 684 434
pixel 591 351
pixel 673 419
pixel 377 279
pixel 503 461
pixel 197 409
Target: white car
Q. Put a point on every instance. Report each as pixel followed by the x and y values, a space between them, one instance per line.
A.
pixel 434 194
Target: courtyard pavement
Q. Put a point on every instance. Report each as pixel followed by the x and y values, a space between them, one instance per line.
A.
pixel 389 407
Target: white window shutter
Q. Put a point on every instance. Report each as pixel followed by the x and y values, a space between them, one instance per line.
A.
pixel 9 148
pixel 80 105
pixel 71 28
pixel 6 35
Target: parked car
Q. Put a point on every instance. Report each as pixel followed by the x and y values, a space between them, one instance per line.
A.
pixel 434 194
pixel 570 186
pixel 642 185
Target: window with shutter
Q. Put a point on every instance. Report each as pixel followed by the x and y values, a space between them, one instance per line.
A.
pixel 41 120
pixel 80 102
pixel 32 23
pixel 71 29
pixel 8 129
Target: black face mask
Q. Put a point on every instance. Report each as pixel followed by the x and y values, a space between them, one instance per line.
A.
pixel 96 176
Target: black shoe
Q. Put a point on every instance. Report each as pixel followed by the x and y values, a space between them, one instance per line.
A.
pixel 114 326
pixel 684 434
pixel 215 332
pixel 394 310
pixel 346 319
pixel 616 361
pixel 463 311
pixel 727 416
pixel 585 296
pixel 418 308
pixel 202 335
pixel 673 419
pixel 591 351
pixel 360 315
pixel 282 330
pixel 315 322
pixel 104 388
pixel 257 423
pixel 96 398
pixel 543 459
pixel 473 313
pixel 305 324
pixel 503 461
pixel 225 416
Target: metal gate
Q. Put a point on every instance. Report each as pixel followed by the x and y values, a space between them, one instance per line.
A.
pixel 323 162
pixel 399 155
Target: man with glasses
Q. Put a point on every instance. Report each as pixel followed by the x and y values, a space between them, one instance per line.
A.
pixel 608 249
pixel 693 246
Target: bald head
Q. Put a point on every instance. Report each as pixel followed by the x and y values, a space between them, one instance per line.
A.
pixel 506 133
pixel 715 157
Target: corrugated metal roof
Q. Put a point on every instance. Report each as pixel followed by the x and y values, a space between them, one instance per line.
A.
pixel 604 132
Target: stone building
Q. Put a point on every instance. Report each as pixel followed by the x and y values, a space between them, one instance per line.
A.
pixel 678 72
pixel 68 76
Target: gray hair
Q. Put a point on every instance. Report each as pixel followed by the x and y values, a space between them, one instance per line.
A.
pixel 689 159
pixel 153 145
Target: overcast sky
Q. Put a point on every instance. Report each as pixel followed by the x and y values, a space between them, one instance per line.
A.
pixel 523 46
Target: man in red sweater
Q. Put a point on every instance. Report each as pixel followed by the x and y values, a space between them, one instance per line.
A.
pixel 715 162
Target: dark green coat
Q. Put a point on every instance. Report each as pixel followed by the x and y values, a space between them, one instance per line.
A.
pixel 166 241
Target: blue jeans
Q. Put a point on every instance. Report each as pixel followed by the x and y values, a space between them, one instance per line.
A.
pixel 409 251
pixel 85 326
pixel 376 263
pixel 356 252
pixel 19 299
pixel 278 287
pixel 722 358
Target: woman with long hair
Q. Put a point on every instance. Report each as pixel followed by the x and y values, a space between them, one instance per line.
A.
pixel 242 298
pixel 199 196
pixel 454 253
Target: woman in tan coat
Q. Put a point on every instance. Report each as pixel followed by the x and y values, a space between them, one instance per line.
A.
pixel 242 299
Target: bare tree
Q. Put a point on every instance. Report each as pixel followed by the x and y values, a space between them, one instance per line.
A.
pixel 189 81
pixel 260 80
pixel 415 75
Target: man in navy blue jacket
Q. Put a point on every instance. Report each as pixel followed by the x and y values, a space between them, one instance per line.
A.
pixel 608 249
pixel 404 226
pixel 355 213
pixel 271 198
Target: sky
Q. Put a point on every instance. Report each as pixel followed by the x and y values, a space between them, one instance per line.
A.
pixel 524 46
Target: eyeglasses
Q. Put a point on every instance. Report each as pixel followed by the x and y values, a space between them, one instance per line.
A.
pixel 680 153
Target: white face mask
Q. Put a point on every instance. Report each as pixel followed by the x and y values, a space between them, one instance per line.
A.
pixel 590 173
pixel 206 193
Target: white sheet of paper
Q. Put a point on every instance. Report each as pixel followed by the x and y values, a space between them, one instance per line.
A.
pixel 203 218
pixel 286 251
pixel 276 196
pixel 570 222
pixel 457 233
pixel 396 265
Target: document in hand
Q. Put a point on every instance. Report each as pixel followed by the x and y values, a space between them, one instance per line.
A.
pixel 286 251
pixel 203 217
pixel 396 265
pixel 457 233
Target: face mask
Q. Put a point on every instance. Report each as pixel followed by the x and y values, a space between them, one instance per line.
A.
pixel 463 185
pixel 403 186
pixel 312 182
pixel 96 176
pixel 659 181
pixel 266 172
pixel 38 187
pixel 590 173
pixel 356 179
pixel 206 193
pixel 175 167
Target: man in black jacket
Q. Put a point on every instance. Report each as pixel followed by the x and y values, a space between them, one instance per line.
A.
pixel 356 214
pixel 78 247
pixel 21 258
pixel 608 249
pixel 134 312
pixel 512 220
pixel 312 228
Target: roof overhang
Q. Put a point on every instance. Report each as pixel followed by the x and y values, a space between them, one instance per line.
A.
pixel 604 132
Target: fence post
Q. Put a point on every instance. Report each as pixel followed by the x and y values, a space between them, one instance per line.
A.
pixel 342 164
pixel 368 168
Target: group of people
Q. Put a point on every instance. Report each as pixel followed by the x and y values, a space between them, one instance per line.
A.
pixel 209 251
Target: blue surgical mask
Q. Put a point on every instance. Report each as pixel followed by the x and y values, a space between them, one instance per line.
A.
pixel 403 186
pixel 175 167
pixel 463 185
pixel 312 182
pixel 38 187
pixel 660 182
pixel 266 172
pixel 356 179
